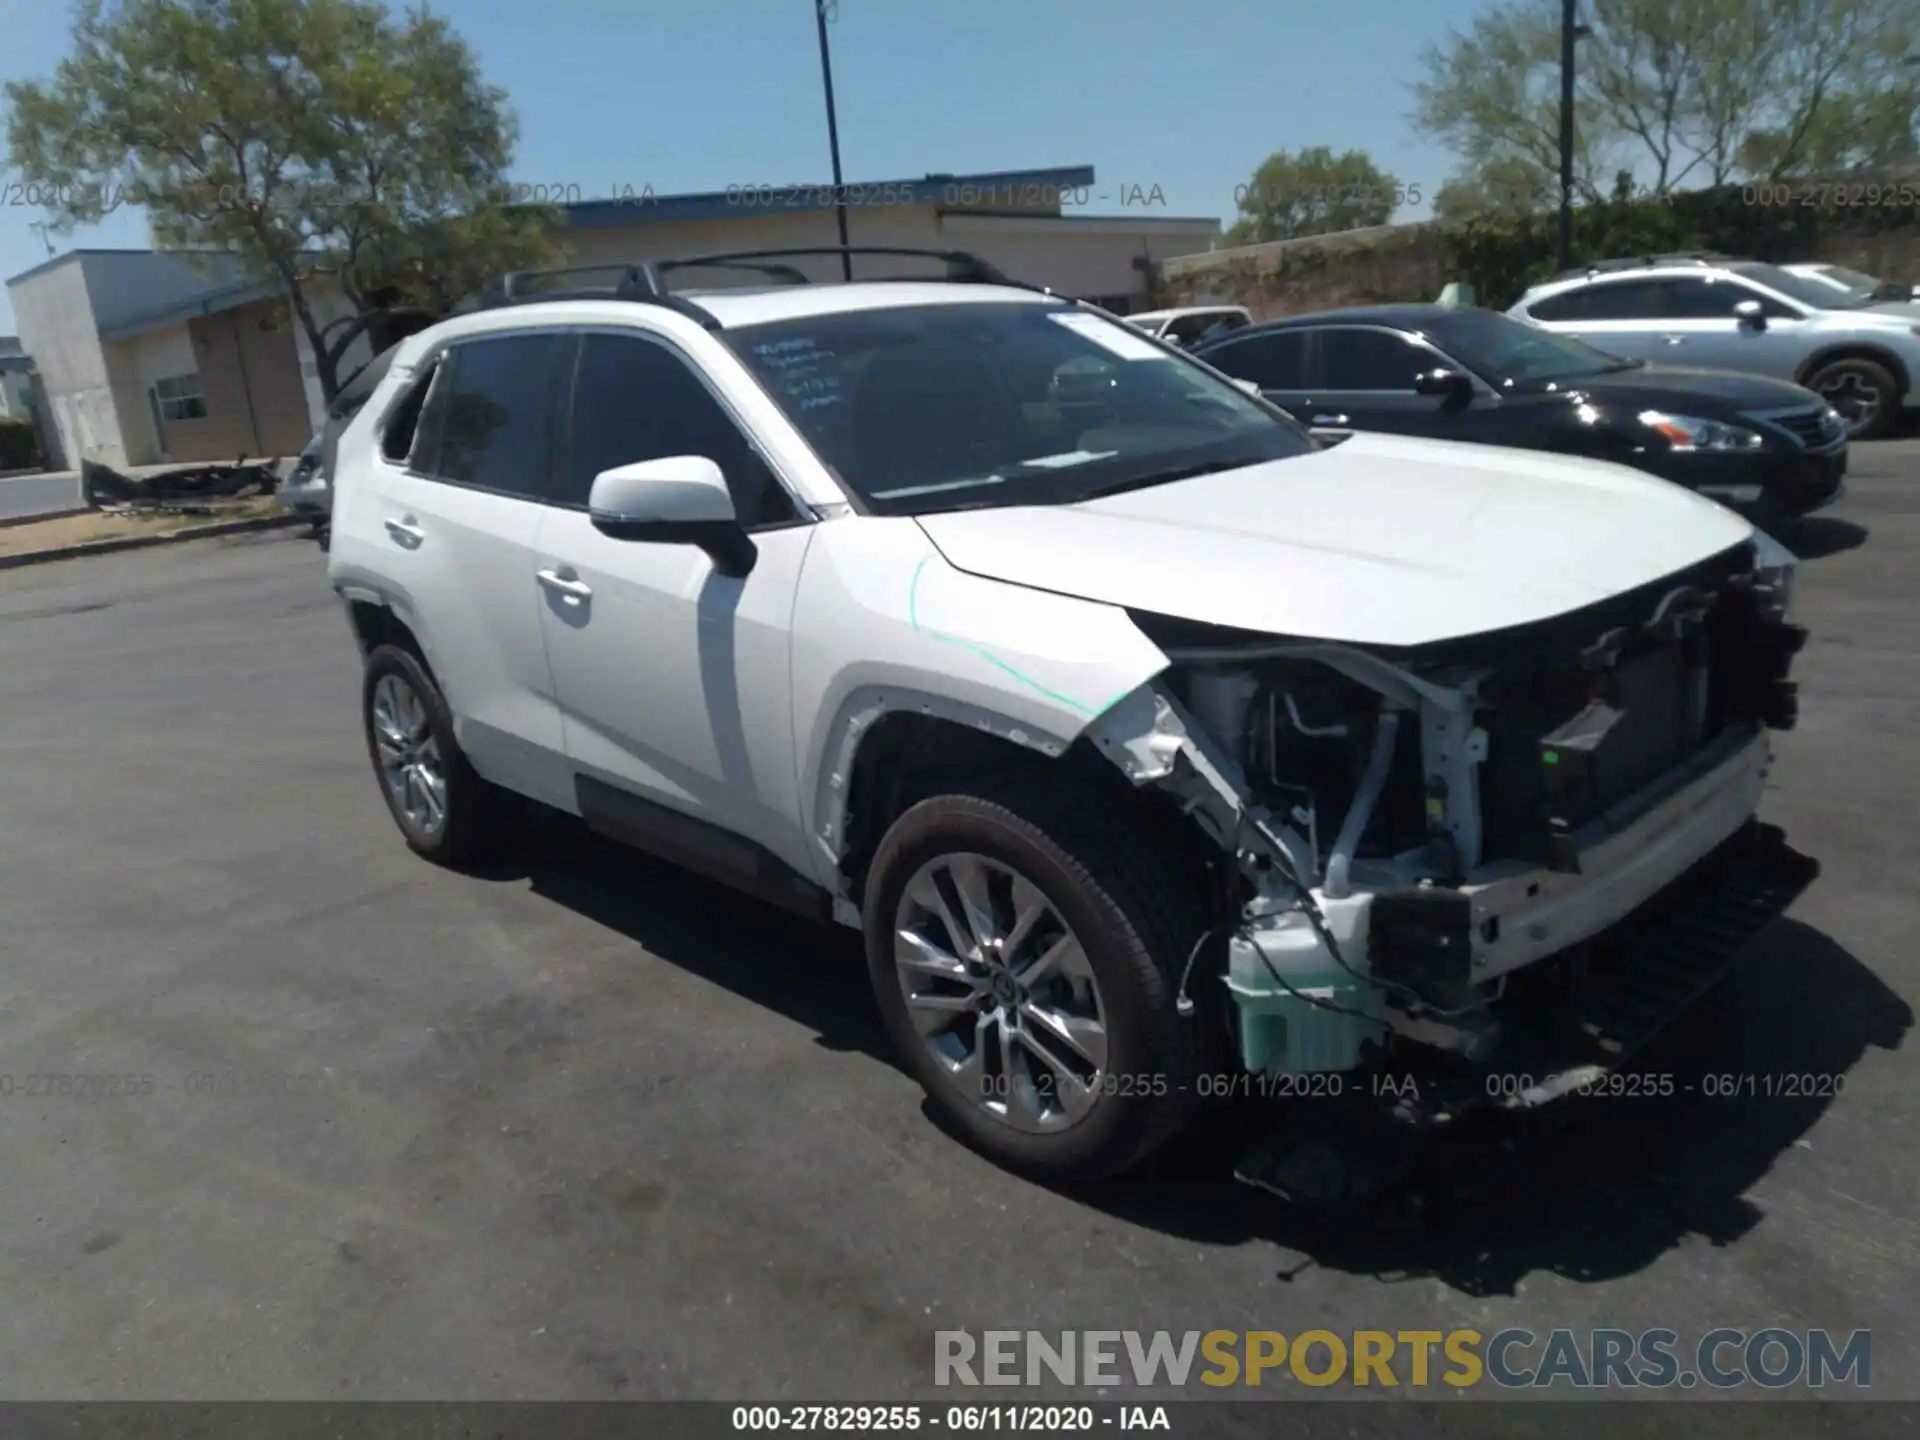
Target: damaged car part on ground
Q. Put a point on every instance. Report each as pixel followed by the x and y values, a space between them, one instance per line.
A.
pixel 1151 743
pixel 185 490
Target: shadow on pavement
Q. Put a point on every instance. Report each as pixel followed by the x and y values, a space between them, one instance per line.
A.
pixel 814 974
pixel 1589 1188
pixel 1819 536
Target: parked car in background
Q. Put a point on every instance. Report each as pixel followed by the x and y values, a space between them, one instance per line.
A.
pixel 305 491
pixel 1767 448
pixel 1187 325
pixel 1145 740
pixel 1861 356
pixel 1856 283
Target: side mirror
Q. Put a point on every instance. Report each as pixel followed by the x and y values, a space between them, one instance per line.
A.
pixel 1252 387
pixel 1752 314
pixel 678 500
pixel 1443 382
pixel 1894 290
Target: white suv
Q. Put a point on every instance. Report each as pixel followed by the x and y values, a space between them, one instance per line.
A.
pixel 1158 749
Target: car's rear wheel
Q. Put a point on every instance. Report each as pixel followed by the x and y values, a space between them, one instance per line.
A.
pixel 1863 391
pixel 1026 962
pixel 446 812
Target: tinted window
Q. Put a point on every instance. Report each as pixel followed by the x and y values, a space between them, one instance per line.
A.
pixel 1369 360
pixel 923 408
pixel 1276 361
pixel 498 410
pixel 397 443
pixel 1506 353
pixel 1189 328
pixel 1705 299
pixel 1799 287
pixel 1610 300
pixel 637 400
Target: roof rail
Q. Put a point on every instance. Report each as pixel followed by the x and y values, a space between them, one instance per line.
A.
pixel 645 282
pixel 640 283
pixel 1641 262
pixel 962 265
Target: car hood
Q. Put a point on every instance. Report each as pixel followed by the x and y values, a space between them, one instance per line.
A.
pixel 1895 315
pixel 1675 387
pixel 1379 540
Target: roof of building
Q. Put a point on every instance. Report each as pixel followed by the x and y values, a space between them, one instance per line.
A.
pixel 994 196
pixel 211 302
pixel 631 205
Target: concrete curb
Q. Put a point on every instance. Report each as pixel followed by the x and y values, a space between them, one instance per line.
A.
pixel 141 542
pixel 8 522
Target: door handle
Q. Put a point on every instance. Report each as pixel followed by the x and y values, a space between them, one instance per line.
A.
pixel 564 584
pixel 405 532
pixel 1672 339
pixel 1329 419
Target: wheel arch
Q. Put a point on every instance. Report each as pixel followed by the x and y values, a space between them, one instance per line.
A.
pixel 899 755
pixel 1857 350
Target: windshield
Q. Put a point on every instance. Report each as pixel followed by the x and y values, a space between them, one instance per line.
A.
pixel 943 407
pixel 1815 293
pixel 1516 356
pixel 1853 279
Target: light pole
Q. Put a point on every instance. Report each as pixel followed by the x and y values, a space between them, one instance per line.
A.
pixel 833 136
pixel 1570 30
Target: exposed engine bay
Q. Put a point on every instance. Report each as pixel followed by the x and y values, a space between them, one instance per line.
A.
pixel 1434 847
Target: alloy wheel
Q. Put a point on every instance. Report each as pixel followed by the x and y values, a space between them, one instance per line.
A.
pixel 1001 992
pixel 410 762
pixel 1849 393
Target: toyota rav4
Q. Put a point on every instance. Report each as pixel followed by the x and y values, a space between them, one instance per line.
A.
pixel 1152 745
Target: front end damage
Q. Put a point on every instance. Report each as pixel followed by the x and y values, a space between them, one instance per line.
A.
pixel 1487 869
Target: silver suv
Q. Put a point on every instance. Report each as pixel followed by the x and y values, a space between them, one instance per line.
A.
pixel 1717 313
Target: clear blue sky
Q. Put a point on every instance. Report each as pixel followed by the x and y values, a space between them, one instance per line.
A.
pixel 1188 96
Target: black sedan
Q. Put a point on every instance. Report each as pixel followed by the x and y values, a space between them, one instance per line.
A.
pixel 1766 448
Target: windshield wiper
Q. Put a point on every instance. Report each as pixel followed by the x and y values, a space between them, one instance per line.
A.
pixel 1166 477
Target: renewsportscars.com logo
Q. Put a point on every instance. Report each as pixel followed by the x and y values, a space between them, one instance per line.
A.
pixel 1600 1359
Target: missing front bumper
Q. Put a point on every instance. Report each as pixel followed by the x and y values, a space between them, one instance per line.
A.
pixel 1582 1018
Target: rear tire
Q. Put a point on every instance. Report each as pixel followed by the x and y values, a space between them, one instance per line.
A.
pixel 445 811
pixel 1863 391
pixel 1070 1071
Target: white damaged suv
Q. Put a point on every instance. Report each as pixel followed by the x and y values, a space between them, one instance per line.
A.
pixel 1157 749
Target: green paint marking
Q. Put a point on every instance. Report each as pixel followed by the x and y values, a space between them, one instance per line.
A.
pixel 913 618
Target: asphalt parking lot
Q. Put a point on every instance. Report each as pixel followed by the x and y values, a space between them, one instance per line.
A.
pixel 589 1128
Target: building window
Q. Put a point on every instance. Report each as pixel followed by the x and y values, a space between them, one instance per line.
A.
pixel 179 398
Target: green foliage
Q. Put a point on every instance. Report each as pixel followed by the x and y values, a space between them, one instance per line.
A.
pixel 1680 92
pixel 314 138
pixel 1507 185
pixel 1313 193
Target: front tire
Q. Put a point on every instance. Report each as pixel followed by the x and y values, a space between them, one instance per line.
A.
pixel 445 811
pixel 1863 391
pixel 1026 955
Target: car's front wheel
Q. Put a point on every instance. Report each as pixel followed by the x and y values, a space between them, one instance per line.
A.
pixel 1026 953
pixel 1864 393
pixel 446 811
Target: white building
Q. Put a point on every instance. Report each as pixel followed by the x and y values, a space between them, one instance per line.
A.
pixel 147 356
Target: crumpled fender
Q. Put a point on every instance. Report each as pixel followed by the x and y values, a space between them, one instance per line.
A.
pixel 882 623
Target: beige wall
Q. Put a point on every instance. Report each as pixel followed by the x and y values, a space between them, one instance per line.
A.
pixel 250 378
pixel 55 318
pixel 134 366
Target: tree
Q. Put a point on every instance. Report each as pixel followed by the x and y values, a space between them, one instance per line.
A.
pixel 1314 193
pixel 319 140
pixel 1678 91
pixel 1508 185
